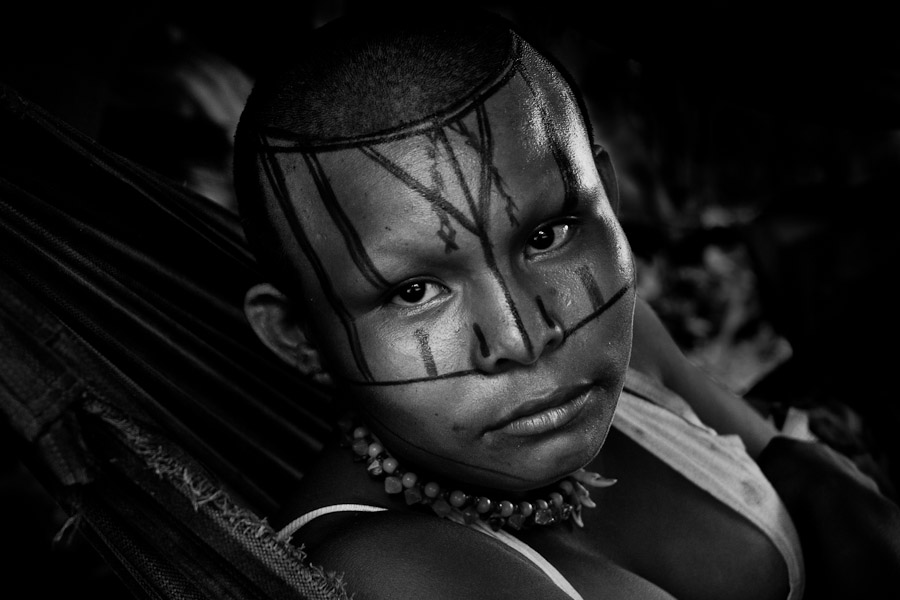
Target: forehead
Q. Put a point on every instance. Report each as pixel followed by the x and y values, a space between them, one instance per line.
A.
pixel 525 140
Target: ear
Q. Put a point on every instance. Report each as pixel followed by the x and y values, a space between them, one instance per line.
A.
pixel 607 176
pixel 283 330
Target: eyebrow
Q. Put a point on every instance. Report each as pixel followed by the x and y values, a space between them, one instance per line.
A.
pixel 475 372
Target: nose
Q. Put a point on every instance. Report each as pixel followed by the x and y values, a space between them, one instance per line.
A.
pixel 511 327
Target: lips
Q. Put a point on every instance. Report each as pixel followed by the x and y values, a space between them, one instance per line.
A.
pixel 545 414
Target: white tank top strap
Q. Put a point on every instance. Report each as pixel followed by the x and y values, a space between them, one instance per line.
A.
pixel 521 547
pixel 291 528
pixel 664 424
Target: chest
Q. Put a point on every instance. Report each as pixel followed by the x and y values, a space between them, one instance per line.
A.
pixel 657 526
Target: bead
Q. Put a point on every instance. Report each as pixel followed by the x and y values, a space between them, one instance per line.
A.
pixel 561 505
pixel 543 516
pixel 375 468
pixel 457 498
pixel 441 507
pixel 361 447
pixel 374 449
pixel 393 485
pixel 413 495
pixel 516 521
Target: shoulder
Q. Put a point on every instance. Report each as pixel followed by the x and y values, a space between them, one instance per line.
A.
pixel 393 554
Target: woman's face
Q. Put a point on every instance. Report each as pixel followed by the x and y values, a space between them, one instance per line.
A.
pixel 474 289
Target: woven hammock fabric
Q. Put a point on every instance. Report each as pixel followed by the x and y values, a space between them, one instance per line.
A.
pixel 122 289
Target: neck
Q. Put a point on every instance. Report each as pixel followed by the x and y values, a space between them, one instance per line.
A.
pixel 563 501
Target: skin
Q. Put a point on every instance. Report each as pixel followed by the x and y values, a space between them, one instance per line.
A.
pixel 490 325
pixel 427 257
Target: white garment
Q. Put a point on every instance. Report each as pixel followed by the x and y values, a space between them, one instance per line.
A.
pixel 661 422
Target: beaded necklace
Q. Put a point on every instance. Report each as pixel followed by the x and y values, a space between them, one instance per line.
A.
pixel 565 503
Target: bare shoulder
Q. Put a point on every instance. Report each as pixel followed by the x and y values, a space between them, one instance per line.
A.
pixel 392 554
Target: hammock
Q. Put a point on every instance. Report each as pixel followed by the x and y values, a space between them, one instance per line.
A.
pixel 129 379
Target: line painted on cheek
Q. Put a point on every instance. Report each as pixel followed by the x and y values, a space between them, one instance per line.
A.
pixel 475 372
pixel 425 351
pixel 609 303
pixel 546 316
pixel 590 286
pixel 482 342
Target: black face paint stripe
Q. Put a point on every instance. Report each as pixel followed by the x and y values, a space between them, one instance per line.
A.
pixel 615 298
pixel 486 150
pixel 475 372
pixel 481 223
pixel 279 189
pixel 590 286
pixel 475 227
pixel 339 217
pixel 425 351
pixel 452 112
pixel 570 200
pixel 482 342
pixel 432 196
pixel 544 314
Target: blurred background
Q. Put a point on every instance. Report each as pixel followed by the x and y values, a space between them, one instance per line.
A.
pixel 757 147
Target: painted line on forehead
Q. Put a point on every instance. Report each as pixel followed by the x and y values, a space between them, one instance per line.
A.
pixel 339 217
pixel 475 372
pixel 430 452
pixel 481 213
pixel 553 136
pixel 432 196
pixel 279 189
pixel 484 127
pixel 475 226
pixel 482 342
pixel 441 135
pixel 483 146
pixel 425 351
pixel 483 143
pixel 455 110
pixel 486 150
pixel 590 286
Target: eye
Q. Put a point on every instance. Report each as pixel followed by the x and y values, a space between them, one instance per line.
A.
pixel 548 237
pixel 416 292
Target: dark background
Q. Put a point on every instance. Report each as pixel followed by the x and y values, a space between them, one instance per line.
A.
pixel 757 146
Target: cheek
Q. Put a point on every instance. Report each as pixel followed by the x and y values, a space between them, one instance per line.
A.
pixel 411 350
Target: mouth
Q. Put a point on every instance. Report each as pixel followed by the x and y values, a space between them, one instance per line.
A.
pixel 548 413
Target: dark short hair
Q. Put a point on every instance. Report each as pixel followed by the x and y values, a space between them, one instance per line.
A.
pixel 360 79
